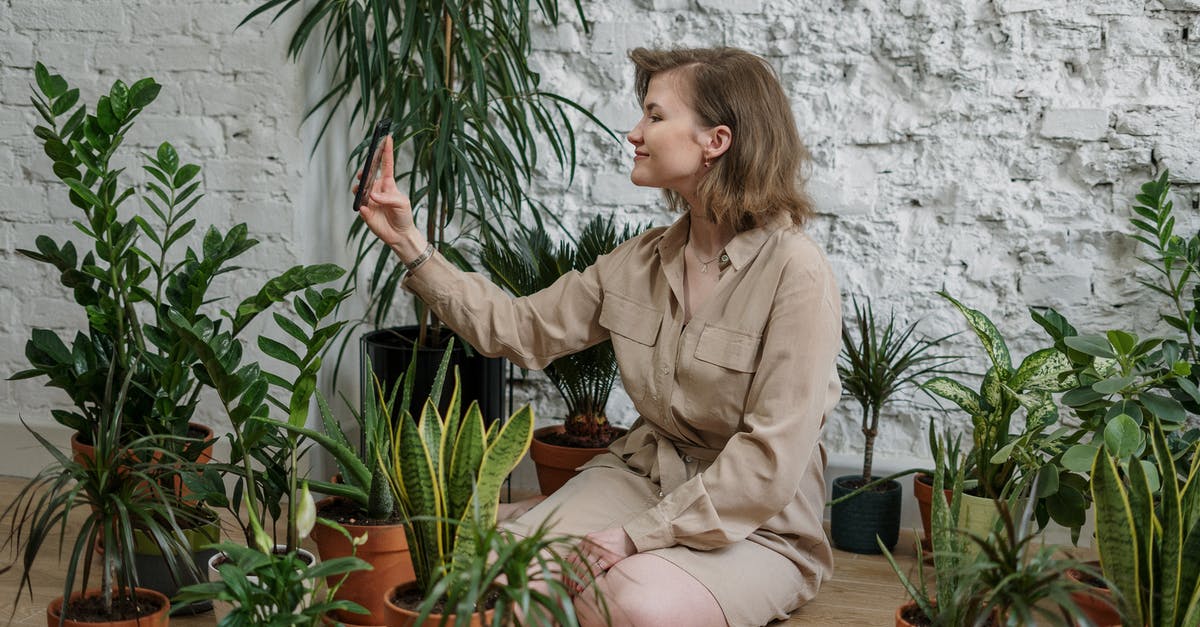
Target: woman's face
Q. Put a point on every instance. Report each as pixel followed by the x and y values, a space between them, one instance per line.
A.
pixel 669 143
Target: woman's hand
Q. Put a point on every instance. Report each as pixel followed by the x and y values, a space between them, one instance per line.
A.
pixel 600 551
pixel 388 212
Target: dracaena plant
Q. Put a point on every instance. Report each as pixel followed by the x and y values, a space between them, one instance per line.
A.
pixel 447 468
pixel 132 273
pixel 880 362
pixel 1002 462
pixel 465 104
pixel 532 262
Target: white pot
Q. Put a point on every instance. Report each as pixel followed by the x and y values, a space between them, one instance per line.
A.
pixel 221 608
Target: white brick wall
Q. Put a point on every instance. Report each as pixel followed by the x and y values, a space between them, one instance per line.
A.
pixel 990 147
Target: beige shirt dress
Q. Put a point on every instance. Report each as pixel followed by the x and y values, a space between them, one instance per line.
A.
pixel 723 472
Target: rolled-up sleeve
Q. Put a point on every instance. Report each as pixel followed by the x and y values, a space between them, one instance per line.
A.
pixel 759 471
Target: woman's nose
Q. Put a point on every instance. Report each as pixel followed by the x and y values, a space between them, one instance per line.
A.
pixel 635 135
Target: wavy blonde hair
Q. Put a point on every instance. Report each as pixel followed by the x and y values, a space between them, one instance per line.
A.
pixel 764 171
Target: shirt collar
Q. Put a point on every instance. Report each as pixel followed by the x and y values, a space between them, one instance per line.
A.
pixel 741 249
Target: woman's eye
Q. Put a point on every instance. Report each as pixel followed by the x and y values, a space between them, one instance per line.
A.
pixel 655 118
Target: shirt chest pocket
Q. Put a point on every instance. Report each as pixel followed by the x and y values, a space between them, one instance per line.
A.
pixel 728 348
pixel 630 320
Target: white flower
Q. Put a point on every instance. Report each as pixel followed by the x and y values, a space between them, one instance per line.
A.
pixel 306 512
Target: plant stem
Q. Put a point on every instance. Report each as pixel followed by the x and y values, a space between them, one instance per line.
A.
pixel 869 432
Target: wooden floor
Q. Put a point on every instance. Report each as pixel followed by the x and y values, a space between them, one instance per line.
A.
pixel 864 590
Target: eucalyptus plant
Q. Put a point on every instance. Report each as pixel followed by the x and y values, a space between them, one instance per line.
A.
pixel 881 362
pixel 465 104
pixel 531 262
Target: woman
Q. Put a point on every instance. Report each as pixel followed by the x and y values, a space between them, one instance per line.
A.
pixel 726 329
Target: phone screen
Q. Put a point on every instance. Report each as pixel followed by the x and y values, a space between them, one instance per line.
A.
pixel 371 160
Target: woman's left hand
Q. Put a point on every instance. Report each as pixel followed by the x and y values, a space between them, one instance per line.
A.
pixel 601 550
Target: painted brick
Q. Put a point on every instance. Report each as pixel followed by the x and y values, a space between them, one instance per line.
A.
pixel 1085 124
pixel 617 190
pixel 1142 36
pixel 1006 7
pixel 57 15
pixel 731 6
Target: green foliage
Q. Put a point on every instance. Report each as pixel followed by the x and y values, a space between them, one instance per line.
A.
pixel 364 478
pixel 881 362
pixel 531 262
pixel 276 589
pixel 113 493
pixel 455 79
pixel 1149 540
pixel 447 468
pixel 999 579
pixel 245 394
pixel 503 566
pixel 1002 463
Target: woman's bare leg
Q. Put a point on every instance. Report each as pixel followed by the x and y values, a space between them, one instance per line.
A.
pixel 649 591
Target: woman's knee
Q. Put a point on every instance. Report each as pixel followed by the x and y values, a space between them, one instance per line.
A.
pixel 646 591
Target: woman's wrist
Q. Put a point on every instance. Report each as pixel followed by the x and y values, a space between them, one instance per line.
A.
pixel 410 249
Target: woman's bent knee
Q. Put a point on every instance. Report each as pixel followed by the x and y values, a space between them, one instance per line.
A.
pixel 647 591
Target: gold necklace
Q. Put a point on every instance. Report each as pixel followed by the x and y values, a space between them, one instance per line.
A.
pixel 704 264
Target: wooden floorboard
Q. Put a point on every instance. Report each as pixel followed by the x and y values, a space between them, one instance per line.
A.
pixel 864 591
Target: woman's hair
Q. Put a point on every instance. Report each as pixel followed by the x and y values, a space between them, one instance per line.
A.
pixel 761 173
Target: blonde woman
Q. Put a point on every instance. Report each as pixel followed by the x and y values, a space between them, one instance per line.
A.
pixel 726 329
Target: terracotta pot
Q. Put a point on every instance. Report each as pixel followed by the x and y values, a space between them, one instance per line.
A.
pixel 555 464
pixel 81 451
pixel 156 619
pixel 386 550
pixel 396 616
pixel 900 620
pixel 1096 603
pixel 976 514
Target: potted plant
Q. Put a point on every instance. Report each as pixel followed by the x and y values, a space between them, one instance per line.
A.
pixel 882 361
pixel 495 583
pixel 472 123
pixel 527 264
pixel 131 363
pixel 1148 539
pixel 362 501
pixel 999 582
pixel 1002 463
pixel 116 491
pixel 265 586
pixel 446 468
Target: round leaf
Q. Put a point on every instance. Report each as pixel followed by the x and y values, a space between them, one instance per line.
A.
pixel 1113 385
pixel 1068 507
pixel 1079 458
pixel 1167 409
pixel 1047 482
pixel 1122 436
pixel 1094 345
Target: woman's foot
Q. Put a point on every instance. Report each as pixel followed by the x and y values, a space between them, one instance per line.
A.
pixel 509 511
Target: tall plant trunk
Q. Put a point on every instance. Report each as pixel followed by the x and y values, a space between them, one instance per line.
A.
pixel 869 432
pixel 435 229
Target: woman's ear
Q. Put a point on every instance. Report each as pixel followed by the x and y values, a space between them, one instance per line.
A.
pixel 719 139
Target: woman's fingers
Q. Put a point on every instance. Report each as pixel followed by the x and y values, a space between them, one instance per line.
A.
pixel 388 174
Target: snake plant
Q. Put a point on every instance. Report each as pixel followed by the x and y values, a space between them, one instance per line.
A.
pixel 447 469
pixel 1149 543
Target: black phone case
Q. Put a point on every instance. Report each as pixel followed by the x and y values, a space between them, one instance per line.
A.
pixel 371 162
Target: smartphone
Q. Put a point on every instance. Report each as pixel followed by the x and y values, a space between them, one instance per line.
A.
pixel 371 161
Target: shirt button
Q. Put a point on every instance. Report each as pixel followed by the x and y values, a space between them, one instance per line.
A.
pixel 665 369
pixel 654 397
pixel 660 494
pixel 687 459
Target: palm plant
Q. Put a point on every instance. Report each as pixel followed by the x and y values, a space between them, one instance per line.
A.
pixel 455 79
pixel 883 361
pixel 531 262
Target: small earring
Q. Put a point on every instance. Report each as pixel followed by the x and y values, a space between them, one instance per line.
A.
pixel 707 163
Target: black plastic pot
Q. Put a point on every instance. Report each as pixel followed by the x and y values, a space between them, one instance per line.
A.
pixel 855 523
pixel 482 378
pixel 154 574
